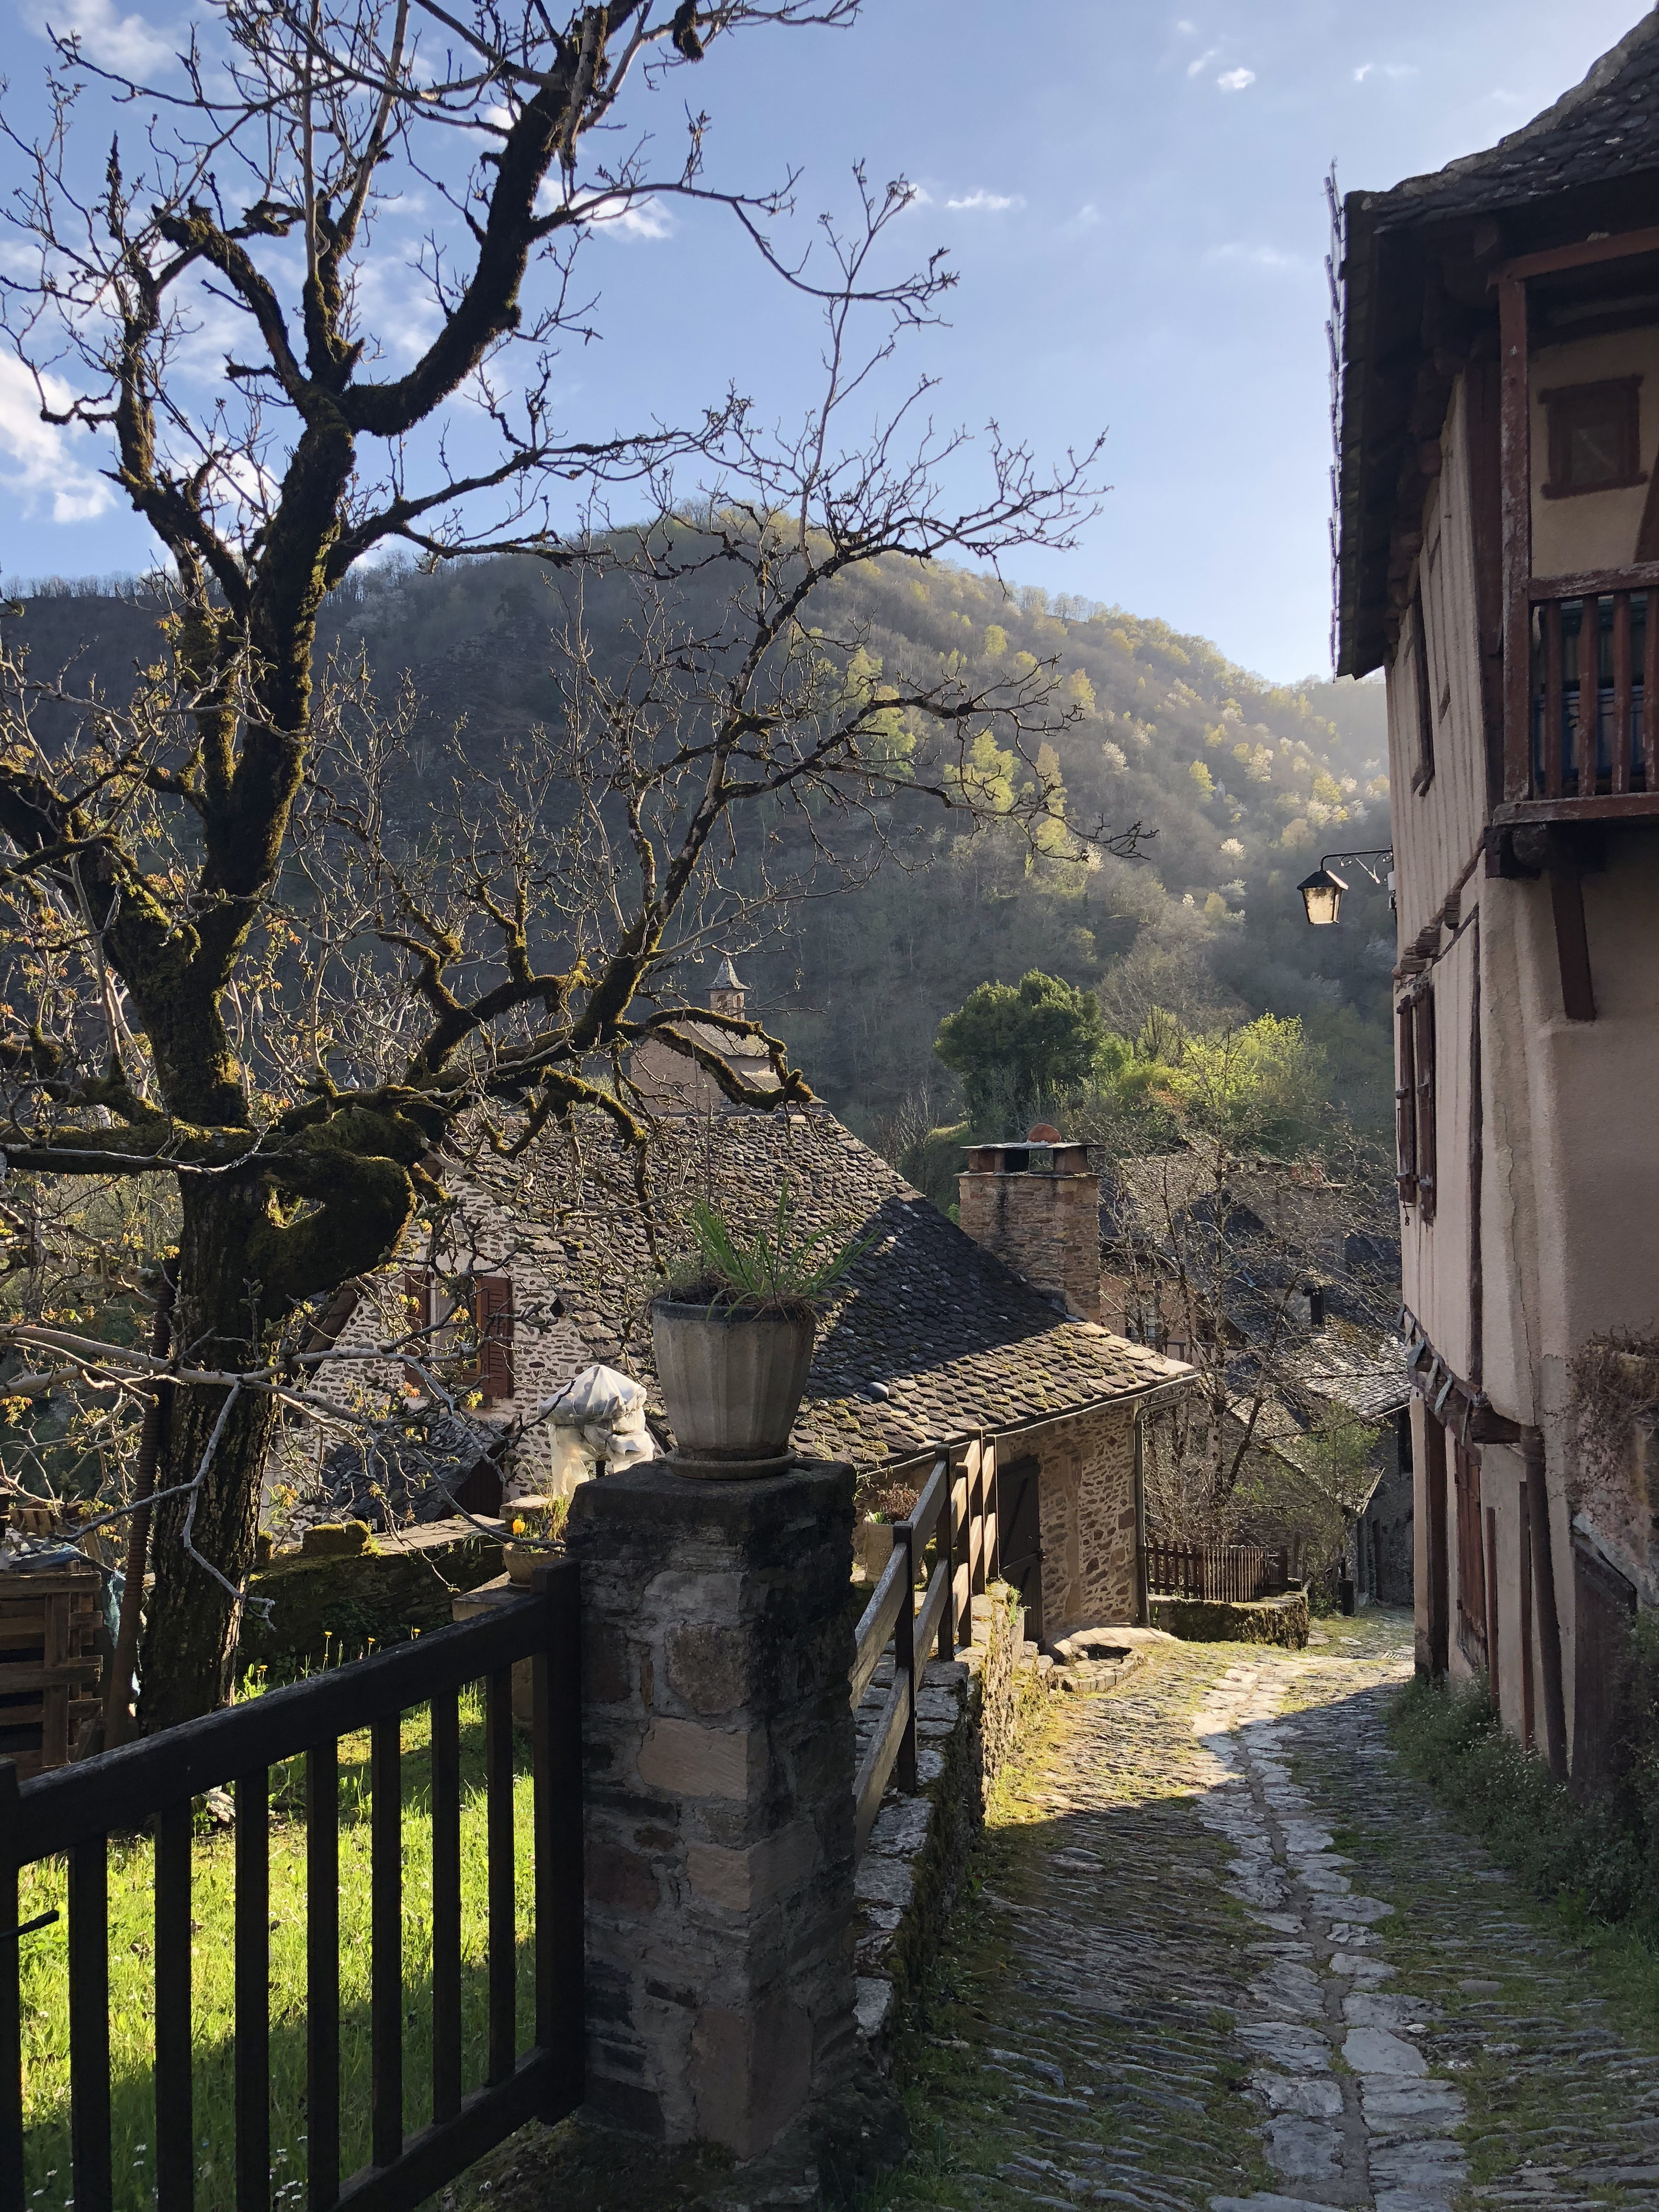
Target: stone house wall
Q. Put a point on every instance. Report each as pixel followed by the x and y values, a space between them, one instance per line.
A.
pixel 548 1347
pixel 1086 1492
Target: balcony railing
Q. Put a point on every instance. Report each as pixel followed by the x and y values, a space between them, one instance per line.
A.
pixel 1589 747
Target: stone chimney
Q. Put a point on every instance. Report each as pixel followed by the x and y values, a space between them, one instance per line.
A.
pixel 727 993
pixel 1036 1206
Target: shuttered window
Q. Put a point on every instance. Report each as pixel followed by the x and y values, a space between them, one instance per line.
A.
pixel 463 1331
pixel 1423 1076
pixel 1422 691
pixel 1405 1104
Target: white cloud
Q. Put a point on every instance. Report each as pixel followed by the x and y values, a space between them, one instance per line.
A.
pixel 1187 30
pixel 1234 80
pixel 646 219
pixel 126 44
pixel 989 203
pixel 1203 60
pixel 1392 71
pixel 1236 253
pixel 36 456
pixel 1363 71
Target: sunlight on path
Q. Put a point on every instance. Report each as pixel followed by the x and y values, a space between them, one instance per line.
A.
pixel 1225 1957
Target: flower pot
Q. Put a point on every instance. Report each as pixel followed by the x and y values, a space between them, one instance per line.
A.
pixel 521 1560
pixel 731 1384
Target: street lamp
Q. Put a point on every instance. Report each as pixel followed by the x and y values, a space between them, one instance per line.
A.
pixel 1321 892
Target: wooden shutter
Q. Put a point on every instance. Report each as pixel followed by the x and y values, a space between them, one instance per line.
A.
pixel 1471 1556
pixel 418 1303
pixel 1405 1105
pixel 1422 1058
pixel 1424 774
pixel 494 1312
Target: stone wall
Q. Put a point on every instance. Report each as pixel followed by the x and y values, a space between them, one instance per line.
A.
pixel 337 1604
pixel 1087 1500
pixel 1257 1620
pixel 907 1881
pixel 1045 1227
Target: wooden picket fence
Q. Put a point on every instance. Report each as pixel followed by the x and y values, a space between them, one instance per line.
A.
pixel 1232 1573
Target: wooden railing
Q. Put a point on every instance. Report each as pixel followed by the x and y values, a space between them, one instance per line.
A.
pixel 1589 745
pixel 1232 1573
pixel 75 1810
pixel 956 1514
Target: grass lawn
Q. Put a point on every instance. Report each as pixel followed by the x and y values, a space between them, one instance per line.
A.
pixel 131 1938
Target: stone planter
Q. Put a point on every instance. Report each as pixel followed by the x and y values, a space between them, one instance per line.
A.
pixel 731 1384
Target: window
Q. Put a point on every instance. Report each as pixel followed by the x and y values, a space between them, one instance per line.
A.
pixel 1422 1066
pixel 1414 1104
pixel 464 1325
pixel 1424 696
pixel 1405 1106
pixel 1594 436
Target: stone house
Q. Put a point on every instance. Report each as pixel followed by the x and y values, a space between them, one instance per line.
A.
pixel 548 1263
pixel 1498 558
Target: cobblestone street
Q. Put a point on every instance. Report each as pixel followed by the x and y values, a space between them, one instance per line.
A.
pixel 1223 1954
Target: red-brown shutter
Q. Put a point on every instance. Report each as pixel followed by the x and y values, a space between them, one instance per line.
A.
pixel 1423 1048
pixel 1424 774
pixel 1405 1107
pixel 495 1318
pixel 417 1302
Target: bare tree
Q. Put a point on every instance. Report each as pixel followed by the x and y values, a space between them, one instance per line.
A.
pixel 235 965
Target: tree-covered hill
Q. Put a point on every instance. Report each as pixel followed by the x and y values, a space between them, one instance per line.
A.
pixel 1239 786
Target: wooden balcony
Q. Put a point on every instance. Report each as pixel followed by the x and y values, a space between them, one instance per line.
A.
pixel 1579 744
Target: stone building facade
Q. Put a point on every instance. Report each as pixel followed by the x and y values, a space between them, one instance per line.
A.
pixel 935 1339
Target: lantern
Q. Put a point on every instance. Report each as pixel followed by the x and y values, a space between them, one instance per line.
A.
pixel 1322 894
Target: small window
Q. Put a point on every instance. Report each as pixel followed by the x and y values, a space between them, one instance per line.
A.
pixel 463 1328
pixel 1594 436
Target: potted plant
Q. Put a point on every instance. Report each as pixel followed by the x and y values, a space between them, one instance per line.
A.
pixel 535 1534
pixel 734 1334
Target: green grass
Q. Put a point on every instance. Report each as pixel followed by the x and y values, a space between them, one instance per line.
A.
pixel 131 1931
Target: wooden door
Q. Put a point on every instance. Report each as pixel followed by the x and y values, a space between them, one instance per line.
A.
pixel 1604 1604
pixel 1019 1528
pixel 1439 1548
pixel 1471 1558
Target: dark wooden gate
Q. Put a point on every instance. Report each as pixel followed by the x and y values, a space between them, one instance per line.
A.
pixel 1019 1526
pixel 1604 1604
pixel 75 1811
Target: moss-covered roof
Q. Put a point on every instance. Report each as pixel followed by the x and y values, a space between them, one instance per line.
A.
pixel 933 1337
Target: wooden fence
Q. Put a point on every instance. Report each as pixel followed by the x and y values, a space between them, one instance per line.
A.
pixel 1229 1572
pixel 954 1517
pixel 75 1810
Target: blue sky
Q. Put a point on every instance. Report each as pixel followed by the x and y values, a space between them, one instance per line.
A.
pixel 1132 198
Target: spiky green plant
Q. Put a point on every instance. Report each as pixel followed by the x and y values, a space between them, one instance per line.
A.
pixel 778 1270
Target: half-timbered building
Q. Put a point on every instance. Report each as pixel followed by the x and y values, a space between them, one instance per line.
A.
pixel 1498 557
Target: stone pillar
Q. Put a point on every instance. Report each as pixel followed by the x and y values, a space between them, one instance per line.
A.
pixel 719 1761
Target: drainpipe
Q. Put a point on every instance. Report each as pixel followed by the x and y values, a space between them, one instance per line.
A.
pixel 1543 1582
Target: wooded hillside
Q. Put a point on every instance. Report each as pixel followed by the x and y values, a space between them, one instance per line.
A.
pixel 1240 787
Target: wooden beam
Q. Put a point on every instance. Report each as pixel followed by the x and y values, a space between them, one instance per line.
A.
pixel 1515 465
pixel 1571 938
pixel 1607 806
pixel 1623 245
pixel 1549 1623
pixel 1595 583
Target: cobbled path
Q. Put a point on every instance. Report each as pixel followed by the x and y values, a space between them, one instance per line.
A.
pixel 1224 1956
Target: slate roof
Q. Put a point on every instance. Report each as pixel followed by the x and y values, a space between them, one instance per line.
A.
pixel 934 1338
pixel 1366 1376
pixel 1605 128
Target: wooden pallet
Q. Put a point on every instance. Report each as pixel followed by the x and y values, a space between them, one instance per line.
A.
pixel 49 1667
